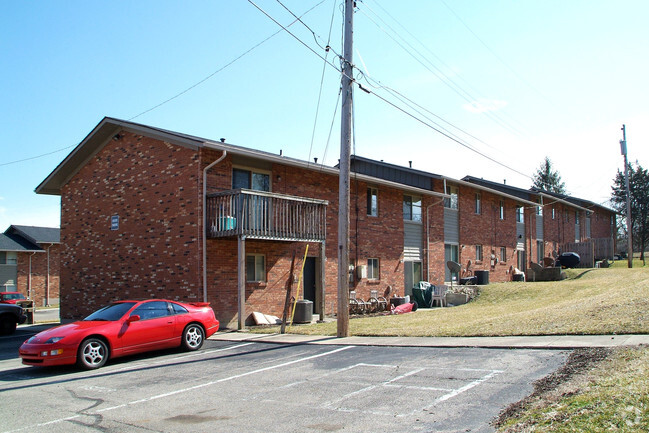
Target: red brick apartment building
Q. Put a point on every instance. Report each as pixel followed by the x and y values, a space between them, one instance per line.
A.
pixel 147 212
pixel 29 263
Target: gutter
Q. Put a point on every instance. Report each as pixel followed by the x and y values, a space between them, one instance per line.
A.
pixel 205 222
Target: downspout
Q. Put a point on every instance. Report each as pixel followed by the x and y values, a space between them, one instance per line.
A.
pixel 29 277
pixel 205 222
pixel 47 281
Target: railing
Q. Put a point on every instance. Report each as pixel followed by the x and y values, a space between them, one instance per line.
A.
pixel 265 215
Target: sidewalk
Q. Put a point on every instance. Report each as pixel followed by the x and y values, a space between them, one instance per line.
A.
pixel 558 342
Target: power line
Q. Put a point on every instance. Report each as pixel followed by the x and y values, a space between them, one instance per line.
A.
pixel 37 156
pixel 494 53
pixel 182 92
pixel 324 67
pixel 425 62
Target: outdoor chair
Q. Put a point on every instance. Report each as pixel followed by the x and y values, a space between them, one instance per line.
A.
pixel 549 262
pixel 439 295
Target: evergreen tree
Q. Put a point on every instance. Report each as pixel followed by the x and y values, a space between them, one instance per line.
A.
pixel 639 193
pixel 548 179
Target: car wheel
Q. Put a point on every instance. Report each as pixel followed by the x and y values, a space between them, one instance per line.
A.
pixel 93 353
pixel 7 325
pixel 193 337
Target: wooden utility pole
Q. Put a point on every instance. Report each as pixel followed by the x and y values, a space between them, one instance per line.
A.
pixel 343 183
pixel 629 224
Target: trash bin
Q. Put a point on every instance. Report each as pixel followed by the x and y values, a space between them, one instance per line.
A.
pixel 422 294
pixel 303 311
pixel 482 277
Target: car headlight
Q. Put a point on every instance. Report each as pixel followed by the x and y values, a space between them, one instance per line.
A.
pixel 53 340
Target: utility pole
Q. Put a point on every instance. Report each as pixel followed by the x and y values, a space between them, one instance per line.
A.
pixel 343 183
pixel 628 199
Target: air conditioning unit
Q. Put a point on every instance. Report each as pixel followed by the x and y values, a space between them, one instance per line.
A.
pixel 361 271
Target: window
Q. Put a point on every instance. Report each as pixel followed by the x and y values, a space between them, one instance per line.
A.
pixel 255 267
pixel 478 253
pixel 178 309
pixel 503 254
pixel 501 212
pixel 539 210
pixel 151 310
pixel 8 258
pixel 411 208
pixel 373 269
pixel 451 202
pixel 540 251
pixel 372 202
pixel 553 212
pixel 520 216
pixel 478 204
pixel 577 217
pixel 250 180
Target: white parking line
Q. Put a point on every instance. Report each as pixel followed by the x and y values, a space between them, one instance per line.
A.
pixel 393 383
pixel 191 388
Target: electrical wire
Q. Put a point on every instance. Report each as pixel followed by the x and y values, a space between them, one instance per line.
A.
pixel 516 74
pixel 444 78
pixel 37 156
pixel 324 67
pixel 293 35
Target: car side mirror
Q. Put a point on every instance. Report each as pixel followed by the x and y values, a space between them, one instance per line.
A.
pixel 133 318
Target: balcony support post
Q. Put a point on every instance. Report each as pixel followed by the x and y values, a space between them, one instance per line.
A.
pixel 322 300
pixel 241 281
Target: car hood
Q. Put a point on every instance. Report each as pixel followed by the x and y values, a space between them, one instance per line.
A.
pixel 69 330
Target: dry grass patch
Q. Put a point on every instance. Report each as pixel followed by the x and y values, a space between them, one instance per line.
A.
pixel 595 301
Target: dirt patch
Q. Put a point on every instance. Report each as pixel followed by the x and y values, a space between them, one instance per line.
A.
pixel 546 390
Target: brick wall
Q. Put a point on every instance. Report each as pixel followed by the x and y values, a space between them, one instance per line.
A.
pixel 36 288
pixel 489 230
pixel 154 189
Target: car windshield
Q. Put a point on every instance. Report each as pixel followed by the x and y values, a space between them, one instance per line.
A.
pixel 8 296
pixel 111 312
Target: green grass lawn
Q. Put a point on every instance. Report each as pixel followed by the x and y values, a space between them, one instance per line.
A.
pixel 591 301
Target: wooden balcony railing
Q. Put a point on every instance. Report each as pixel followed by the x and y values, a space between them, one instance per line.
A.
pixel 265 215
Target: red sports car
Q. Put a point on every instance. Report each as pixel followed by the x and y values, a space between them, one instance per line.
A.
pixel 122 328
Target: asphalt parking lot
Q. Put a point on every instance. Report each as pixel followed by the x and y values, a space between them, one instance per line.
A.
pixel 265 387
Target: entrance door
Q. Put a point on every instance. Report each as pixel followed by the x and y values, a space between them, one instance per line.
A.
pixel 309 282
pixel 451 252
pixel 412 275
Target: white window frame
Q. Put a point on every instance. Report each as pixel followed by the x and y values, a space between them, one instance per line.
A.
pixel 478 253
pixel 503 254
pixel 415 203
pixel 453 201
pixel 372 201
pixel 478 203
pixel 373 269
pixel 501 211
pixel 255 272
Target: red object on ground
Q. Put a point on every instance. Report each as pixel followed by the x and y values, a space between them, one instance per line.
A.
pixel 403 308
pixel 119 329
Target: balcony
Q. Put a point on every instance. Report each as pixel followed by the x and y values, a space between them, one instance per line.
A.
pixel 265 215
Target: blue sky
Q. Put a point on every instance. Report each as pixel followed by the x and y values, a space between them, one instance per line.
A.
pixel 513 80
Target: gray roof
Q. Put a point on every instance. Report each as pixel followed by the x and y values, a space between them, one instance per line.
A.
pixel 28 238
pixel 12 242
pixel 37 235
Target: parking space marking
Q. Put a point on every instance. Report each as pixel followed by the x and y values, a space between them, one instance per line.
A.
pixel 394 383
pixel 183 390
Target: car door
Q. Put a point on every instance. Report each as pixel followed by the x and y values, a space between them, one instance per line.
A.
pixel 154 330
